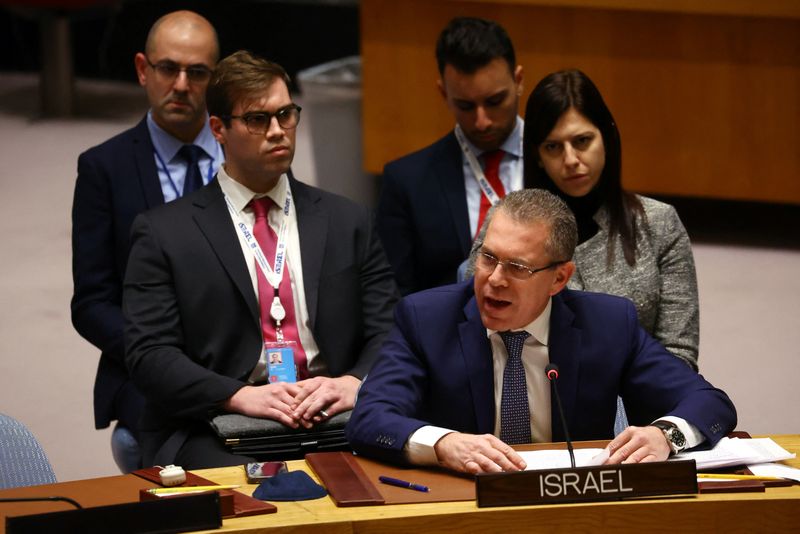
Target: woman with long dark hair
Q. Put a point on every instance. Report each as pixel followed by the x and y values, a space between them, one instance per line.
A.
pixel 629 245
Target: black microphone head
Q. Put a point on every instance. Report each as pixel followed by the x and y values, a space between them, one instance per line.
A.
pixel 551 371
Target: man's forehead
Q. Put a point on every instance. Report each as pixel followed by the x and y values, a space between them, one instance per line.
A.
pixel 516 239
pixel 271 98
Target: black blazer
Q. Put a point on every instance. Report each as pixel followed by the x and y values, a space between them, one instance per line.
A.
pixel 192 322
pixel 116 181
pixel 422 216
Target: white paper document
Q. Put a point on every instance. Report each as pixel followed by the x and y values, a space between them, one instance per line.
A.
pixel 735 451
pixel 775 470
pixel 552 459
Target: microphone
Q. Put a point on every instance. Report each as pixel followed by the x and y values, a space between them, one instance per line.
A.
pixel 552 375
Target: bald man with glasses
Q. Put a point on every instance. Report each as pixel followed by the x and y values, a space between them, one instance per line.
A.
pixel 170 153
pixel 257 295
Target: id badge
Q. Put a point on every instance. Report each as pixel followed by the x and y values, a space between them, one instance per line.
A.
pixel 280 361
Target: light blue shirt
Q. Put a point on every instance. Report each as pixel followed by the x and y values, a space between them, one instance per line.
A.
pixel 172 168
pixel 510 173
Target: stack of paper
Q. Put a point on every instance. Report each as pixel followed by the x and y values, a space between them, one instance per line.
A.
pixel 735 451
pixel 553 459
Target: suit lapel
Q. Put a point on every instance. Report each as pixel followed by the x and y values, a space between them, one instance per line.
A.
pixel 145 164
pixel 564 350
pixel 477 352
pixel 449 171
pixel 312 227
pixel 212 217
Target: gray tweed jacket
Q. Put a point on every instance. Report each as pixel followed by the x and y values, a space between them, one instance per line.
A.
pixel 662 284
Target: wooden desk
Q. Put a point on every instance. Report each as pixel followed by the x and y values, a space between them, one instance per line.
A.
pixel 706 93
pixel 776 510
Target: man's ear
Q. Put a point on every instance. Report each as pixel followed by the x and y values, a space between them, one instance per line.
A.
pixel 141 64
pixel 518 79
pixel 442 90
pixel 218 129
pixel 564 272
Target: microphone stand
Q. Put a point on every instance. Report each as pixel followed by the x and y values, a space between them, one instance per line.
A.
pixel 552 374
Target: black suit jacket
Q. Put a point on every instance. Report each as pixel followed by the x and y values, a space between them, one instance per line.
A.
pixel 116 181
pixel 192 319
pixel 422 216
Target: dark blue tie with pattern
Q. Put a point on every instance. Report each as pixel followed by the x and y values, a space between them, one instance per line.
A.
pixel 515 415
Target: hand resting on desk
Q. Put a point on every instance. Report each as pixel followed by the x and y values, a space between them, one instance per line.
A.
pixel 638 444
pixel 468 453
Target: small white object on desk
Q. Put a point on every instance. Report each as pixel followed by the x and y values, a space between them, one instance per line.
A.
pixel 172 475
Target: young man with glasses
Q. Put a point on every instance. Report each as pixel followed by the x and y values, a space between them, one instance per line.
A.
pixel 461 377
pixel 171 152
pixel 258 294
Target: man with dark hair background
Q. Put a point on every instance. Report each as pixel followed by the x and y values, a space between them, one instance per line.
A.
pixel 170 152
pixel 433 201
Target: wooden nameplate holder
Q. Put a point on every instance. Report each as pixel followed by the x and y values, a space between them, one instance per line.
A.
pixel 586 484
pixel 232 503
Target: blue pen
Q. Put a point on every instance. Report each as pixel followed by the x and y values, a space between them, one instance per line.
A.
pixel 403 484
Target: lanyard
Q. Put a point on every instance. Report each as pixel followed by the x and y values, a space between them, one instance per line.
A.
pixel 475 166
pixel 179 194
pixel 273 275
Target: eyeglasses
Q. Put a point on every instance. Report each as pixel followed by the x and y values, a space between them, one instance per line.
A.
pixel 487 262
pixel 258 122
pixel 169 70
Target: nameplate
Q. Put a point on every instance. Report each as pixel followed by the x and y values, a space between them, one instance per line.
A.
pixel 584 484
pixel 191 512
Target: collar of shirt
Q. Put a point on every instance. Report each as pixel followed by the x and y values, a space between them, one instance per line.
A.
pixel 167 146
pixel 511 145
pixel 240 196
pixel 539 328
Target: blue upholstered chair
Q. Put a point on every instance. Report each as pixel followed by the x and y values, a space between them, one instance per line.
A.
pixel 125 449
pixel 22 459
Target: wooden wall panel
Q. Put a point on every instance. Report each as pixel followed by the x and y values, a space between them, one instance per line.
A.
pixel 707 105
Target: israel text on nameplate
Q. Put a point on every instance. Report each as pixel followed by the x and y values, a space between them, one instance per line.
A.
pixel 583 484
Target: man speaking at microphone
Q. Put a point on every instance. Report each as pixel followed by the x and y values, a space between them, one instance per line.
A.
pixel 461 377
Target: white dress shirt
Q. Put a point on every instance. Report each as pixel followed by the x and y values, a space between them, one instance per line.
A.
pixel 240 196
pixel 510 173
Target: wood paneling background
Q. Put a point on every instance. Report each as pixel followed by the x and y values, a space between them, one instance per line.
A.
pixel 708 105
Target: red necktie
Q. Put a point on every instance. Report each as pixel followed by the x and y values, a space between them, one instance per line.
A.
pixel 491 170
pixel 268 240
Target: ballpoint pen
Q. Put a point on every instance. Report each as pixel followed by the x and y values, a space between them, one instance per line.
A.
pixel 403 484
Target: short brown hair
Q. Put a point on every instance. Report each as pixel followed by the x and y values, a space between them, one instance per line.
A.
pixel 238 76
pixel 537 205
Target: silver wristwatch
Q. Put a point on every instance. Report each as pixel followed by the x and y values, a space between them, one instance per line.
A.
pixel 675 438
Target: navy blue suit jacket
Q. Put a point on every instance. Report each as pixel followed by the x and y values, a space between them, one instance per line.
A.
pixel 436 368
pixel 422 216
pixel 116 181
